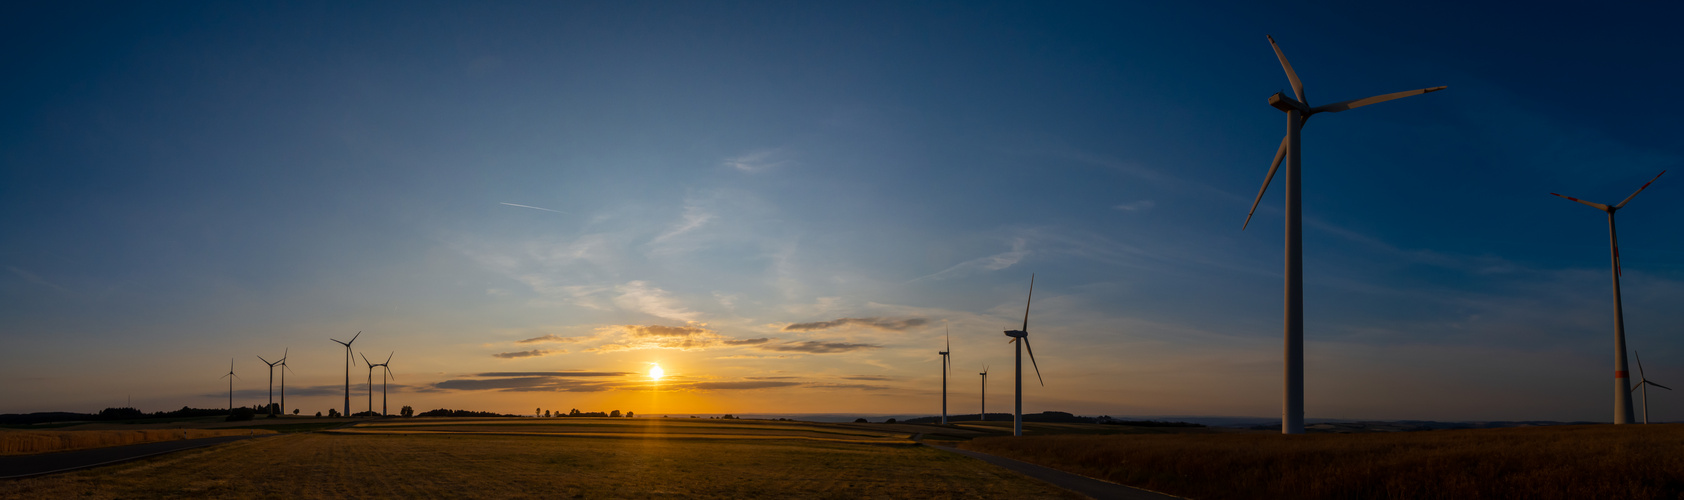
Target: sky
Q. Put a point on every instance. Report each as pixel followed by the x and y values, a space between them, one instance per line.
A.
pixel 787 206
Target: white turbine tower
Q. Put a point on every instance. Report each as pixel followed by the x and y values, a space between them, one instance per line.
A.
pixel 984 415
pixel 1297 113
pixel 1643 383
pixel 946 366
pixel 1622 380
pixel 1016 335
pixel 271 408
pixel 386 372
pixel 370 382
pixel 230 376
pixel 348 361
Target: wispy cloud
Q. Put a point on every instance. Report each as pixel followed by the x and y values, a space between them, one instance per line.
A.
pixel 1135 206
pixel 816 347
pixel 684 338
pixel 994 262
pixel 694 217
pixel 893 325
pixel 878 378
pixel 554 374
pixel 551 338
pixel 576 381
pixel 642 297
pixel 529 354
pixel 758 160
pixel 32 278
pixel 749 384
pixel 532 207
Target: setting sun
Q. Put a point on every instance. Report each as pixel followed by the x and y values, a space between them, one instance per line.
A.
pixel 655 372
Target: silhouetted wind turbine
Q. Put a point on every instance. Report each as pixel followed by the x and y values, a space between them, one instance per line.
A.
pixel 984 415
pixel 271 408
pixel 1297 113
pixel 386 370
pixel 946 366
pixel 230 376
pixel 1016 335
pixel 1644 383
pixel 370 382
pixel 284 370
pixel 348 361
pixel 1622 382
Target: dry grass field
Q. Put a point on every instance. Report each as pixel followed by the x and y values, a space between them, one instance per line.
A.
pixel 14 442
pixel 498 458
pixel 1567 462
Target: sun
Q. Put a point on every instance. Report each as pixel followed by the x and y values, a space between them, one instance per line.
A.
pixel 655 371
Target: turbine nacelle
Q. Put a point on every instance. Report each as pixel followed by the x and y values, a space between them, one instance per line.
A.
pixel 1017 333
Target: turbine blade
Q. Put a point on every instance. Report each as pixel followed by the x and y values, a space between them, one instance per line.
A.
pixel 1027 301
pixel 1640 374
pixel 1032 361
pixel 1297 86
pixel 1639 190
pixel 265 361
pixel 1659 385
pixel 354 338
pixel 389 357
pixel 1280 154
pixel 1357 103
pixel 365 360
pixel 1597 206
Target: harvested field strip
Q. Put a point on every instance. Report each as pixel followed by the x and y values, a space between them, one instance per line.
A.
pixel 29 442
pixel 330 465
pixel 721 429
pixel 1557 462
pixel 629 435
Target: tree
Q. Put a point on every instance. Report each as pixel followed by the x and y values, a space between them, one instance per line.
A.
pixel 318 414
pixel 574 413
pixel 407 411
pixel 295 412
pixel 859 420
pixel 332 413
pixel 628 414
pixel 537 412
pixel 615 413
pixel 889 421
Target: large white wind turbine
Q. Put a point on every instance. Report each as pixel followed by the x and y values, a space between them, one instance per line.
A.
pixel 370 382
pixel 271 408
pixel 1297 113
pixel 984 415
pixel 1016 335
pixel 946 366
pixel 230 376
pixel 1643 383
pixel 386 373
pixel 1622 380
pixel 348 361
pixel 284 370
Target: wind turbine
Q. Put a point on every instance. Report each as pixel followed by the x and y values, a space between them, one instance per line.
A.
pixel 284 369
pixel 386 372
pixel 271 408
pixel 348 360
pixel 230 376
pixel 1622 383
pixel 946 366
pixel 1297 113
pixel 1644 383
pixel 984 415
pixel 1016 335
pixel 370 382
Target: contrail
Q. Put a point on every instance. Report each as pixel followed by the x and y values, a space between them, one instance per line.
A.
pixel 534 208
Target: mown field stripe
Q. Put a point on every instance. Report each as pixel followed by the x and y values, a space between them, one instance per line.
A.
pixel 26 466
pixel 1096 488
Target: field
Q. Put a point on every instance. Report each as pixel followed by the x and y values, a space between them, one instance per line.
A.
pixel 14 442
pixel 557 458
pixel 1566 462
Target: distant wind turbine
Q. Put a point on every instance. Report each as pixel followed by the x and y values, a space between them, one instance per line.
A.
pixel 370 382
pixel 1644 383
pixel 348 361
pixel 271 408
pixel 946 366
pixel 1622 381
pixel 1016 335
pixel 1297 113
pixel 984 415
pixel 284 370
pixel 386 372
pixel 230 376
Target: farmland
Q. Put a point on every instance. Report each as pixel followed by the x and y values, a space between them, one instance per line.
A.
pixel 1566 462
pixel 540 458
pixel 14 442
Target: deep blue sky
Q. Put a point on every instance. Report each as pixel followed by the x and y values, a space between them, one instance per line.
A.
pixel 183 184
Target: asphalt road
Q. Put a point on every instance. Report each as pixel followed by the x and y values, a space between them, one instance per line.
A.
pixel 1093 488
pixel 21 466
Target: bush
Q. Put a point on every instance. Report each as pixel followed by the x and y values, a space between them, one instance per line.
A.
pixel 241 414
pixel 318 414
pixel 859 421
pixel 889 421
pixel 407 411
